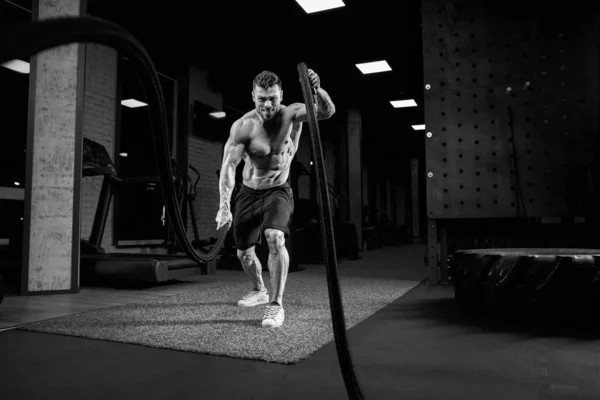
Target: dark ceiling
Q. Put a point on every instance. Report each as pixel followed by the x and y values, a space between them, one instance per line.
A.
pixel 236 40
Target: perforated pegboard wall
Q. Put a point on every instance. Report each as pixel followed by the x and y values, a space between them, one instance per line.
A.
pixel 508 106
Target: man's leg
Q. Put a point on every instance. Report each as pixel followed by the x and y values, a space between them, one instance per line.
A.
pixel 279 261
pixel 278 209
pixel 246 233
pixel 252 267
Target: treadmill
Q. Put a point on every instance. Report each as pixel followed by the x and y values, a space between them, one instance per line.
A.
pixel 96 263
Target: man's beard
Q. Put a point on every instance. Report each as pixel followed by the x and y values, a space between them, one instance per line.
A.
pixel 268 113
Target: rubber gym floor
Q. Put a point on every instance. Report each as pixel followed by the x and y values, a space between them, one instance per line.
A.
pixel 421 346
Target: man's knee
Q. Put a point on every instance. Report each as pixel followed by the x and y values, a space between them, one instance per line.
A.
pixel 275 240
pixel 246 256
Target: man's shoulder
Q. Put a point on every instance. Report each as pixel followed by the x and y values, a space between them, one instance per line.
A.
pixel 243 126
pixel 248 119
pixel 292 109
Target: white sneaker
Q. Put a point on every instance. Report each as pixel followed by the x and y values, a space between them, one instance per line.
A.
pixel 254 298
pixel 274 316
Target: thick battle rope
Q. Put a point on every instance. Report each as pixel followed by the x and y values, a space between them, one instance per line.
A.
pixel 333 281
pixel 26 39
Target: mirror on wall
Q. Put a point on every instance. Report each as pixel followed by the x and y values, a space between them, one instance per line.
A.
pixel 139 218
pixel 14 107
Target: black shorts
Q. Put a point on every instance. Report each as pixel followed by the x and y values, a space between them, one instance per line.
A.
pixel 258 210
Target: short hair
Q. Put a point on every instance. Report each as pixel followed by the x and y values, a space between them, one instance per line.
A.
pixel 266 79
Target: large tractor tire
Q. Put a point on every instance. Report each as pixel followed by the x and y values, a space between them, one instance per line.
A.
pixel 527 279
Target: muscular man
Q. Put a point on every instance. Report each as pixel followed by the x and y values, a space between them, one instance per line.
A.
pixel 266 138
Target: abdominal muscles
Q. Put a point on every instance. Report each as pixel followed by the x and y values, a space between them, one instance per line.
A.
pixel 267 171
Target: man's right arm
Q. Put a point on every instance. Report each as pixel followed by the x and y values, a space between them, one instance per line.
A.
pixel 232 155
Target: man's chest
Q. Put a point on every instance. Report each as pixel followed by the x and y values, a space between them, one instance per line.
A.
pixel 265 142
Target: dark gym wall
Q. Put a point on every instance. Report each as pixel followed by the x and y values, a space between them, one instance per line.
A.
pixel 329 131
pixel 510 108
pixel 193 85
pixel 205 155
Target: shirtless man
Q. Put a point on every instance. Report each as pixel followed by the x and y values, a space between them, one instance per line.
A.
pixel 266 138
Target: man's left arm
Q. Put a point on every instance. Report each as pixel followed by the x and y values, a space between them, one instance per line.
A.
pixel 324 105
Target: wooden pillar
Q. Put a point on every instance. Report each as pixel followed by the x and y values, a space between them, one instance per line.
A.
pixel 355 198
pixel 365 185
pixel 400 213
pixel 341 171
pixel 54 145
pixel 379 187
pixel 389 197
